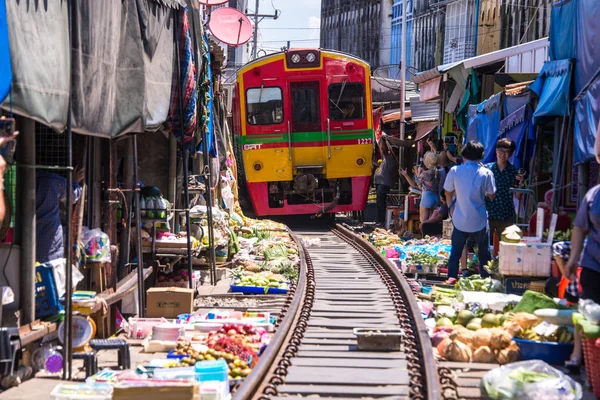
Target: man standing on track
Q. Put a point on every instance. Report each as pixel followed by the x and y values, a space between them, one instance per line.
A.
pixel 470 183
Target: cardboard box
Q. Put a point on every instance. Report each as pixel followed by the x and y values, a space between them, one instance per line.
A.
pixel 169 302
pixel 525 259
pixel 156 391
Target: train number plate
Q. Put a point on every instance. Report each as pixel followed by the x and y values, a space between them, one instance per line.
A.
pixel 252 146
pixel 365 141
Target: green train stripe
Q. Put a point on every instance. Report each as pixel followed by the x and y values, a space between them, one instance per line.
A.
pixel 299 137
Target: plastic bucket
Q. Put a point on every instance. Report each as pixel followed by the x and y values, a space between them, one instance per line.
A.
pixel 552 353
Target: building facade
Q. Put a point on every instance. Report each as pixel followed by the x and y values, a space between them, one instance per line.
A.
pixel 429 20
pixel 396 39
pixel 359 27
pixel 460 34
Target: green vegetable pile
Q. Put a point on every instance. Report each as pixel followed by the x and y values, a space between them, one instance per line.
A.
pixel 559 236
pixel 422 258
pixel 475 283
pixel 275 251
pixel 532 301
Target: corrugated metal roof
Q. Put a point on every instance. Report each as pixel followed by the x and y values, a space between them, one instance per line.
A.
pixel 423 110
pixel 426 75
pixel 388 90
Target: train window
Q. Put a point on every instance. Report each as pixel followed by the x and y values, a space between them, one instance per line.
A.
pixel 264 106
pixel 346 101
pixel 305 106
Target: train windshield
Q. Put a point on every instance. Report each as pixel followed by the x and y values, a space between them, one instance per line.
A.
pixel 346 101
pixel 264 106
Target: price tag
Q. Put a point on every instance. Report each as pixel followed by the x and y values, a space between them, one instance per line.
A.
pixel 545 329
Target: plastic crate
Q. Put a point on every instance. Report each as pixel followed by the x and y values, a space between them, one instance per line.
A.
pixel 47 302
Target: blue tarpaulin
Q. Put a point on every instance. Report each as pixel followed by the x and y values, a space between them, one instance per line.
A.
pixel 5 69
pixel 515 127
pixel 484 123
pixel 513 102
pixel 587 110
pixel 553 89
pixel 587 43
pixel 562 29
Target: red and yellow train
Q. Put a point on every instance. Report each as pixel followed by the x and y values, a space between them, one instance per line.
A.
pixel 304 125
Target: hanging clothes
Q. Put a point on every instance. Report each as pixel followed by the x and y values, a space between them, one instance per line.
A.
pixel 5 70
pixel 471 96
pixel 186 84
pixel 206 88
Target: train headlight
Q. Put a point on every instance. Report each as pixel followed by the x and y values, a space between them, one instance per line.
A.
pixel 257 166
pixel 310 57
pixel 360 161
pixel 296 58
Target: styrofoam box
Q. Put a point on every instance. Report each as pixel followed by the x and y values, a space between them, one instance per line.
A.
pixel 525 259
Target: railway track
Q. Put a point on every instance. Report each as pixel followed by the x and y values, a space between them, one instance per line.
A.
pixel 345 284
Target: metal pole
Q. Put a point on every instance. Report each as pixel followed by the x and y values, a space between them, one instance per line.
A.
pixel 255 37
pixel 403 85
pixel 26 209
pixel 212 260
pixel 186 157
pixel 138 228
pixel 68 323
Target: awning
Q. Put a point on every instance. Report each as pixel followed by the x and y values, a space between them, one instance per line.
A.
pixel 394 141
pixel 514 127
pixel 424 111
pixel 117 76
pixel 553 89
pixel 5 70
pixel 455 98
pixel 587 112
pixel 395 116
pixel 424 128
pixel 484 124
pixel 430 90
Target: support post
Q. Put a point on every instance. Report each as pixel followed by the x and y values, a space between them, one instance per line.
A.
pixel 255 34
pixel 26 210
pixel 138 227
pixel 68 322
pixel 402 88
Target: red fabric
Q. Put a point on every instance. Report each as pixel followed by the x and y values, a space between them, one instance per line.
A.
pixel 563 223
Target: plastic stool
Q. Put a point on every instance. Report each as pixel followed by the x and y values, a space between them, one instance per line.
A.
pixel 114 344
pixel 89 361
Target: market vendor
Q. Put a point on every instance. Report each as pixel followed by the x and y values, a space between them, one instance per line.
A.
pixel 384 177
pixel 51 191
pixel 471 184
pixel 501 210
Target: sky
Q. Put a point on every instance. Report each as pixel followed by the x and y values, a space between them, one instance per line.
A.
pixel 299 23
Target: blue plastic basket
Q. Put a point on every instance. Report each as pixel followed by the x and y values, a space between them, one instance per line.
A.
pixel 254 289
pixel 552 353
pixel 47 302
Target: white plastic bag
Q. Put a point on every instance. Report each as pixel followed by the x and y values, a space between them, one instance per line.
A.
pixel 525 380
pixel 590 310
pixel 58 271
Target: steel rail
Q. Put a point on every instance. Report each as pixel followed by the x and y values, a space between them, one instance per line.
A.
pixel 272 369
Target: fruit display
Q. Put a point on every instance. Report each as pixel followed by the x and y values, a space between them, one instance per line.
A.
pixel 238 368
pixel 486 345
pixel 475 283
pixel 422 258
pixel 263 279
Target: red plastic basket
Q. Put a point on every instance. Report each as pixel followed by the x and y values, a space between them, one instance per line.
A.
pixel 591 355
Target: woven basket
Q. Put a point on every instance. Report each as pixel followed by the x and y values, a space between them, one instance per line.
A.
pixel 537 286
pixel 591 356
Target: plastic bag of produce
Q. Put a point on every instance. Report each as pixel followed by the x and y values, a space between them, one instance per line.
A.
pixel 590 310
pixel 96 245
pixel 529 380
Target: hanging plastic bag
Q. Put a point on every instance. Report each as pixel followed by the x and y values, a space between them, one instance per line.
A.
pixel 529 380
pixel 96 245
pixel 227 196
pixel 590 310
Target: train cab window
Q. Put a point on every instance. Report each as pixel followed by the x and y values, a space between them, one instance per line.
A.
pixel 264 106
pixel 305 106
pixel 346 101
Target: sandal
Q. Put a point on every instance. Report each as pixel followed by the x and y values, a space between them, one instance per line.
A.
pixel 573 365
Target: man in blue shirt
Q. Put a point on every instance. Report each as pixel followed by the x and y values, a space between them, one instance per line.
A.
pixel 470 184
pixel 51 190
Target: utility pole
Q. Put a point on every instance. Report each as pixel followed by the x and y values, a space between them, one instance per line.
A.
pixel 402 83
pixel 256 15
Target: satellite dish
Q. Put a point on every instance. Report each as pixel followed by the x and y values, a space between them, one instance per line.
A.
pixel 230 26
pixel 213 2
